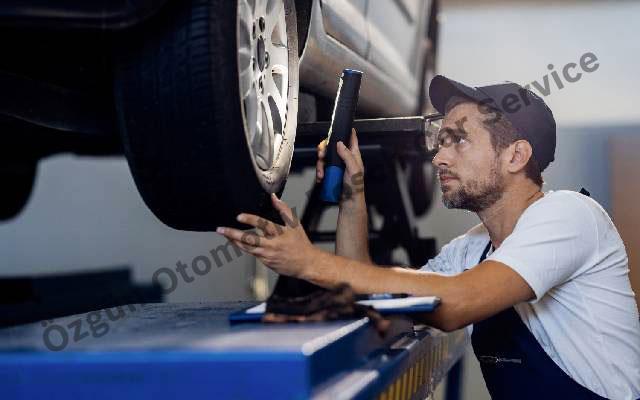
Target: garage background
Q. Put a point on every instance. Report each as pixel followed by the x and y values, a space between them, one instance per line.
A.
pixel 85 213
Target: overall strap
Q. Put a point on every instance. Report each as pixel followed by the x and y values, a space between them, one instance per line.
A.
pixel 485 252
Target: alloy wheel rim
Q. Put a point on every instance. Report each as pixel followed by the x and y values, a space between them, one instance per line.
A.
pixel 263 64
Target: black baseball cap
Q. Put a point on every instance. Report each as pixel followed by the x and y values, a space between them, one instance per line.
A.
pixel 526 111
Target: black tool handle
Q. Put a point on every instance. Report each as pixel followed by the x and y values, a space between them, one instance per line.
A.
pixel 340 130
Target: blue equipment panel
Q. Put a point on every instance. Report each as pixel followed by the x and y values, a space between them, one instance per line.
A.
pixel 190 350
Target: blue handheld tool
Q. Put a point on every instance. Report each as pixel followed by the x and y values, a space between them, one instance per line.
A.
pixel 340 130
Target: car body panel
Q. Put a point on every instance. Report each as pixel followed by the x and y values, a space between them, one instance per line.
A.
pixel 405 23
pixel 324 58
pixel 346 21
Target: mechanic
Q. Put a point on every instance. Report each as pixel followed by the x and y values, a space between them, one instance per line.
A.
pixel 544 279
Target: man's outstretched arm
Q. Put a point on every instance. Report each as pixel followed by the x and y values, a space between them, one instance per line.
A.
pixel 468 297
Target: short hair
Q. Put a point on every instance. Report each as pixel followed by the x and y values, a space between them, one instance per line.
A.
pixel 502 134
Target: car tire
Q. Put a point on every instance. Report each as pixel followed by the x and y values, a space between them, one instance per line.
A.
pixel 194 86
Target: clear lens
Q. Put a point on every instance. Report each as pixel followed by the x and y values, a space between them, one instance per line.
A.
pixel 431 132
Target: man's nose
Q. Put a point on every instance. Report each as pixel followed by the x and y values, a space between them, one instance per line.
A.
pixel 442 158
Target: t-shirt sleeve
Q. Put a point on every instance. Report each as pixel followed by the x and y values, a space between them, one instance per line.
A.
pixel 448 261
pixel 551 243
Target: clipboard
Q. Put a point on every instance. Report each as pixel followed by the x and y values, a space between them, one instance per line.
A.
pixel 406 305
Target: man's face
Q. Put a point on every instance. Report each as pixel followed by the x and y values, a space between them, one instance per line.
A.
pixel 469 168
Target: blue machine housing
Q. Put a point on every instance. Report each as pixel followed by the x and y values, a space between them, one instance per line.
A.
pixel 166 351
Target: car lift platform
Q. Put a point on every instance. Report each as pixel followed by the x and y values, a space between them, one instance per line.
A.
pixel 191 351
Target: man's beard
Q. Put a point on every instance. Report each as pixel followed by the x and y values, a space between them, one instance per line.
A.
pixel 475 195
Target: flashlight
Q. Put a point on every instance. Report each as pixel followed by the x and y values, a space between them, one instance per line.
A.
pixel 344 110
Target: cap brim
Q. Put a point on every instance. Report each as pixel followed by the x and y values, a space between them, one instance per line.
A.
pixel 443 89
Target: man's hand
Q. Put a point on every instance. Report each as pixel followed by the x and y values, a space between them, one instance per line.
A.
pixel 353 180
pixel 285 249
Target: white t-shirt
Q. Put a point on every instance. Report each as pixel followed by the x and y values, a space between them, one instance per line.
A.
pixel 584 316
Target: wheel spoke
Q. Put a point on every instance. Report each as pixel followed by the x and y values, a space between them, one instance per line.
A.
pixel 258 126
pixel 245 46
pixel 278 56
pixel 246 82
pixel 279 96
pixel 252 5
pixel 260 8
pixel 244 58
pixel 251 111
pixel 245 18
pixel 274 15
pixel 277 123
pixel 263 143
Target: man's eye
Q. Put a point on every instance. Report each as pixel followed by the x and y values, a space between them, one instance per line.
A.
pixel 444 140
pixel 450 137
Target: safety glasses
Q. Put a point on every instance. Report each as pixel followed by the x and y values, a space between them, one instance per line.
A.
pixel 432 131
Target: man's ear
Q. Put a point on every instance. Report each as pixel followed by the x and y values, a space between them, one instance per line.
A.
pixel 519 152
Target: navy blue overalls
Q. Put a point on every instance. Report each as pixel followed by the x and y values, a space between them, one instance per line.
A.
pixel 514 365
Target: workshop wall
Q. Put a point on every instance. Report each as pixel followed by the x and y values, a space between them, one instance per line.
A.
pixel 625 191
